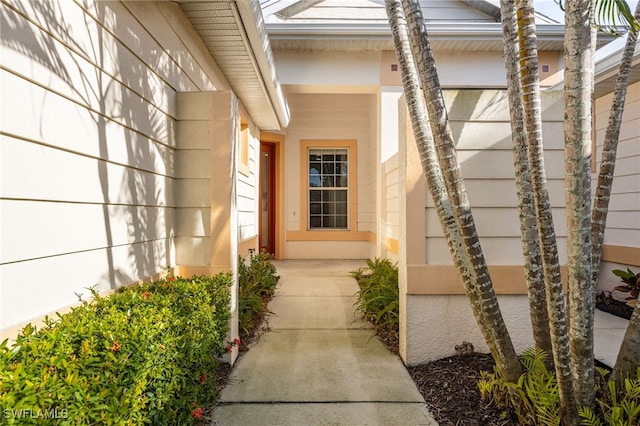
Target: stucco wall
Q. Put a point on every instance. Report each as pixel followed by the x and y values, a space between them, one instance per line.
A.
pixel 622 234
pixel 88 146
pixel 434 310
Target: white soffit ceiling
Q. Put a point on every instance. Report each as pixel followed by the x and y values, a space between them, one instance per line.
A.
pixel 234 34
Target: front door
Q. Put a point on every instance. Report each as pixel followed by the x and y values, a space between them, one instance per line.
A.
pixel 267 217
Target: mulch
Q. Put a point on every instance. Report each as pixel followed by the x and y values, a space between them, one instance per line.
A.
pixel 450 388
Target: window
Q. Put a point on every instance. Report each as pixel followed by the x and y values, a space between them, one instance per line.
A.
pixel 328 186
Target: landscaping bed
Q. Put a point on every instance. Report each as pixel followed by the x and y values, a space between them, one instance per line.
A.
pixel 144 355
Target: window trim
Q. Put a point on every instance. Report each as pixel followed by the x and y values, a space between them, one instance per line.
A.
pixel 352 185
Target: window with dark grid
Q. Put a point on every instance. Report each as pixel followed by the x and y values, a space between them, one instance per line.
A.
pixel 328 188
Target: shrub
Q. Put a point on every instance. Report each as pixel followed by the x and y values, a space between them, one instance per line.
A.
pixel 538 399
pixel 141 356
pixel 631 285
pixel 257 281
pixel 378 298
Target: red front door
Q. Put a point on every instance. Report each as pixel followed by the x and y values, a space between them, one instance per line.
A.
pixel 267 231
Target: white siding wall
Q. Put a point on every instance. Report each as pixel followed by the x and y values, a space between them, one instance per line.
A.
pixel 623 220
pixel 482 131
pixel 390 212
pixel 247 187
pixel 87 146
pixel 435 323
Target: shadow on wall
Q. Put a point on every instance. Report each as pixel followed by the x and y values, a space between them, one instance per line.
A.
pixel 127 108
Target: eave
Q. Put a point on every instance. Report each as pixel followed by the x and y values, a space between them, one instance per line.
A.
pixel 235 35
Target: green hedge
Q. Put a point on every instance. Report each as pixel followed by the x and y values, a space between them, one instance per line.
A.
pixel 145 355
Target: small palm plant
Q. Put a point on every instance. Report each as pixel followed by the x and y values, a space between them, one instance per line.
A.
pixel 631 285
pixel 378 298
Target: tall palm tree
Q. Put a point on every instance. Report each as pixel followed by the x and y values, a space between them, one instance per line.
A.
pixel 547 307
pixel 486 304
pixel 427 152
pixel 526 200
pixel 578 89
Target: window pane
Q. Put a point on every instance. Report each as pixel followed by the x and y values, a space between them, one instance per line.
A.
pixel 315 155
pixel 328 181
pixel 341 182
pixel 315 222
pixel 328 222
pixel 328 156
pixel 341 195
pixel 315 195
pixel 341 221
pixel 327 168
pixel 341 208
pixel 315 208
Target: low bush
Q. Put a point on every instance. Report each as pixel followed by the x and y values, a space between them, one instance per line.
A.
pixel 145 355
pixel 257 281
pixel 539 402
pixel 378 297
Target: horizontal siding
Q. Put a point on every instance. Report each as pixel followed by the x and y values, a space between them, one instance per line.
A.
pixel 88 147
pixel 481 126
pixel 31 289
pixel 623 221
pixel 497 251
pixel 54 228
pixel 34 171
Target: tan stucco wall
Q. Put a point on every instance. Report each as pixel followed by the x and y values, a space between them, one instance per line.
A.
pixel 432 297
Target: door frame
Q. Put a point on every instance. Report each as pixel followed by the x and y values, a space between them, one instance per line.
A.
pixel 277 141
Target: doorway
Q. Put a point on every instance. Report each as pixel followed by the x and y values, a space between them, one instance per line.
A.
pixel 267 216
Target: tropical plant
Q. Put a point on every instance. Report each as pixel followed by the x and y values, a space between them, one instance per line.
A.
pixel 257 281
pixel 631 285
pixel 539 404
pixel 378 297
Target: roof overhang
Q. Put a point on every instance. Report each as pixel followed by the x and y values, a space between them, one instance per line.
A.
pixel 444 36
pixel 608 60
pixel 607 67
pixel 235 35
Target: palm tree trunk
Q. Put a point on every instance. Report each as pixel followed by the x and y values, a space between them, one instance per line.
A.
pixel 426 146
pixel 628 361
pixel 555 296
pixel 578 89
pixel 526 200
pixel 486 306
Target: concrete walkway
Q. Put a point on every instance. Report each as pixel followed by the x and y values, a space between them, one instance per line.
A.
pixel 318 364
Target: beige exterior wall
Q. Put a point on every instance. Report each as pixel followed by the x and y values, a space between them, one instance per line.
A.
pixel 323 119
pixel 431 293
pixel 88 150
pixel 622 236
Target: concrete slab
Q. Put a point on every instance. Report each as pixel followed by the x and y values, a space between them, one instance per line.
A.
pixel 319 268
pixel 354 414
pixel 320 312
pixel 316 286
pixel 320 366
pixel 609 333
